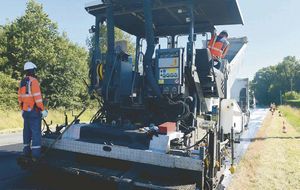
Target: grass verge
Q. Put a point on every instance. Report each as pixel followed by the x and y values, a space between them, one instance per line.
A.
pixel 11 120
pixel 272 159
pixel 294 103
pixel 292 115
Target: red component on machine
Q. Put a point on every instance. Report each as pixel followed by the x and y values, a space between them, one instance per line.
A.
pixel 167 127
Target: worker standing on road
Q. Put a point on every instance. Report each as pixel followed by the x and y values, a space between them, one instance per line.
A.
pixel 218 45
pixel 31 104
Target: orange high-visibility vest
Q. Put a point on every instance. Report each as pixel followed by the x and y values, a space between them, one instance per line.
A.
pixel 217 48
pixel 29 94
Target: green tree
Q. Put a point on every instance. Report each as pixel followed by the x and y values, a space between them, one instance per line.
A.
pixel 119 35
pixel 8 91
pixel 270 81
pixel 61 64
pixel 286 72
pixel 291 95
pixel 262 84
pixel 30 37
pixel 3 43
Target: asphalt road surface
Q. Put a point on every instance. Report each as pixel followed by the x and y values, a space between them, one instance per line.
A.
pixel 256 118
pixel 10 173
pixel 12 177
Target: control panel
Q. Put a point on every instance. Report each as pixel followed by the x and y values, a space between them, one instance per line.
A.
pixel 168 74
pixel 169 70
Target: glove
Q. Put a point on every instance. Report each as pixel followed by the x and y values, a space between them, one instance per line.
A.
pixel 44 114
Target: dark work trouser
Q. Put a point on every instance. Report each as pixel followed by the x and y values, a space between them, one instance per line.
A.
pixel 32 133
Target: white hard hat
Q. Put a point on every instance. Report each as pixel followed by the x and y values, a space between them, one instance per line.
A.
pixel 29 65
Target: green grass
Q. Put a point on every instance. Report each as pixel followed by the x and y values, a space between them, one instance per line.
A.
pixel 272 159
pixel 294 103
pixel 11 120
pixel 292 115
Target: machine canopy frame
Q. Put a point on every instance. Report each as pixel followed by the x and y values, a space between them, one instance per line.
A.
pixel 170 17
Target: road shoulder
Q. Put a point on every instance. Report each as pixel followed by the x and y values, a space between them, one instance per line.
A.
pixel 272 159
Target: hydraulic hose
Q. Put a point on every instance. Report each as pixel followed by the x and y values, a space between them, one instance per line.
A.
pixel 197 143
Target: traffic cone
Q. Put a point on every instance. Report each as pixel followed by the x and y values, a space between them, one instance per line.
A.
pixel 284 129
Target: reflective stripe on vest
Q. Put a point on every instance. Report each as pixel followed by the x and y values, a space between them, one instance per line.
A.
pixel 216 47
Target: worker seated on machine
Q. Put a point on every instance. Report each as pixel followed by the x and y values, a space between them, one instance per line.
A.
pixel 218 46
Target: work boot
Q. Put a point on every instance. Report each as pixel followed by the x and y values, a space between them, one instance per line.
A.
pixel 26 151
pixel 26 155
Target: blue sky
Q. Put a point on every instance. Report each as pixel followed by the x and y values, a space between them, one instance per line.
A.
pixel 272 27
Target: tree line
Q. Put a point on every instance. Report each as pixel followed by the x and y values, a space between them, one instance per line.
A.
pixel 62 64
pixel 279 83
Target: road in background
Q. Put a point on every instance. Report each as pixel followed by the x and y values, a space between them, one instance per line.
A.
pixel 256 118
pixel 10 138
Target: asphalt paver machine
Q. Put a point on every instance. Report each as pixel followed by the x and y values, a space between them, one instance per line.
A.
pixel 154 129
